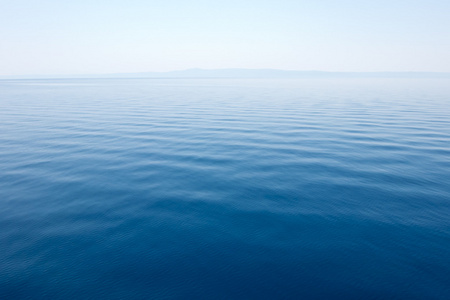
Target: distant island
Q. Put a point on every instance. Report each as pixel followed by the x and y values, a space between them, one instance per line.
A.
pixel 244 73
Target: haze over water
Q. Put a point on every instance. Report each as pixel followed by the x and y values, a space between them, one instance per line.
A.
pixel 225 188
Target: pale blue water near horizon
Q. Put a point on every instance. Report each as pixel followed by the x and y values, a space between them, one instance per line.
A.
pixel 225 189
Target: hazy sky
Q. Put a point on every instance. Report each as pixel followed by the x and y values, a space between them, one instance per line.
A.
pixel 107 36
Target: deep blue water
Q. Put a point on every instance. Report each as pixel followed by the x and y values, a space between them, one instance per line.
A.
pixel 225 189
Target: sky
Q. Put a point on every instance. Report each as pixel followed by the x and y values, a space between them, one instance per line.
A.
pixel 99 36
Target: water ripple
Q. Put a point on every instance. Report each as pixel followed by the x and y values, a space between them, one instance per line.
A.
pixel 252 189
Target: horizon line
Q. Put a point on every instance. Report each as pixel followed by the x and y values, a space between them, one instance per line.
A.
pixel 191 73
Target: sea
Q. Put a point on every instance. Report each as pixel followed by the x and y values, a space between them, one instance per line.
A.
pixel 153 188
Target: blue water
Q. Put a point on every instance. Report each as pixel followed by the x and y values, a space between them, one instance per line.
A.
pixel 225 189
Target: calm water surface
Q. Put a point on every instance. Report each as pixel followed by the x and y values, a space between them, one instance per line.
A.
pixel 225 189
